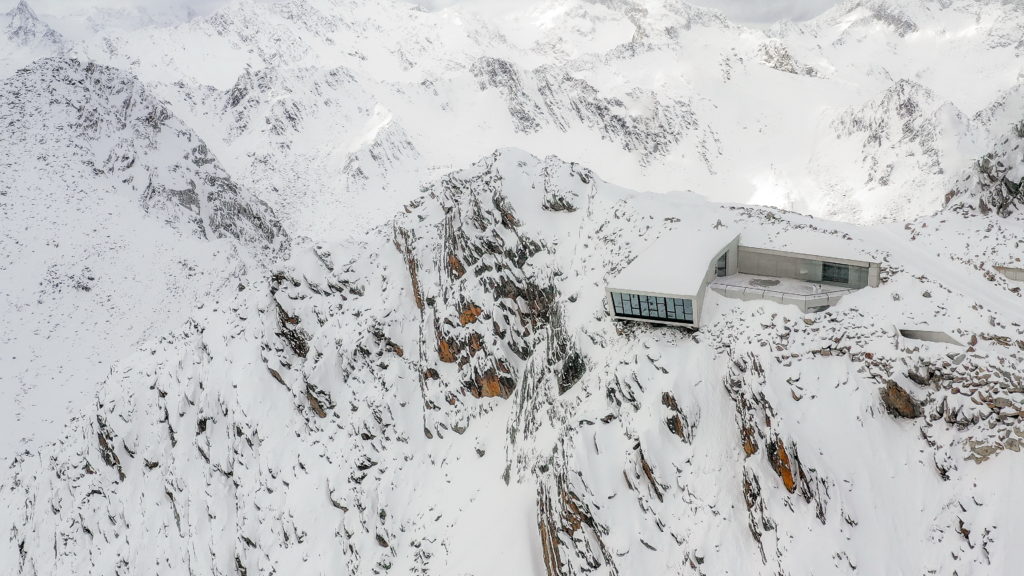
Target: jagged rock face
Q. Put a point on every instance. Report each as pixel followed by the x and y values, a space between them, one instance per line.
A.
pixel 886 13
pixel 993 182
pixel 449 387
pixel 107 120
pixel 118 220
pixel 775 55
pixel 24 28
pixel 903 138
pixel 24 37
pixel 308 137
pixel 904 116
pixel 565 77
pixel 557 99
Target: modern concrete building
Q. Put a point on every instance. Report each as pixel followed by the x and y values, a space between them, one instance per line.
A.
pixel 1015 274
pixel 666 283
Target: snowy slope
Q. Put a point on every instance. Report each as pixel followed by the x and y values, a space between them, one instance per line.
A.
pixel 447 395
pixel 109 211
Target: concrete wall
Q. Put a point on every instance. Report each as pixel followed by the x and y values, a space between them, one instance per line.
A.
pixel 928 336
pixel 1016 274
pixel 731 267
pixel 779 264
pixel 806 303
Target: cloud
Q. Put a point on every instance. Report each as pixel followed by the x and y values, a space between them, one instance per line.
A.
pixel 768 10
pixel 749 11
pixel 66 7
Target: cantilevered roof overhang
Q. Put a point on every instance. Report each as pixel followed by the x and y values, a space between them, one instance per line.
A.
pixel 675 264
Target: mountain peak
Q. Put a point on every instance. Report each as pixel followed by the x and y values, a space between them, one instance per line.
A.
pixel 24 26
pixel 22 12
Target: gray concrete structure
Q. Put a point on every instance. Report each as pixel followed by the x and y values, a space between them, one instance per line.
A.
pixel 674 272
pixel 746 287
pixel 807 267
pixel 667 283
pixel 1015 274
pixel 928 336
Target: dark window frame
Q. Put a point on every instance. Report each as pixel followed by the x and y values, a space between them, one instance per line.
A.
pixel 662 309
pixel 835 273
pixel 722 266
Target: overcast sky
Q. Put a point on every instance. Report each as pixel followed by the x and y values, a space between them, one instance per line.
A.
pixel 761 11
pixel 768 10
pixel 739 10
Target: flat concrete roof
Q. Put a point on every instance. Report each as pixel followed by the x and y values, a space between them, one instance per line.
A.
pixel 676 263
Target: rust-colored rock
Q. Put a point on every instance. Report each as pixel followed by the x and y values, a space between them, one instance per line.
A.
pixel 675 422
pixel 675 426
pixel 455 267
pixel 277 376
pixel 490 386
pixel 749 441
pixel 475 345
pixel 395 348
pixel 549 538
pixel 780 463
pixel 318 409
pixel 446 351
pixel 404 245
pixel 899 402
pixel 649 474
pixel 470 314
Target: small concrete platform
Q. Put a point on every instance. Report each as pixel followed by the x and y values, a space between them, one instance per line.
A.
pixel 807 296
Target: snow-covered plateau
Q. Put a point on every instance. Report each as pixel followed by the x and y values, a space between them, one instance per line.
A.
pixel 317 287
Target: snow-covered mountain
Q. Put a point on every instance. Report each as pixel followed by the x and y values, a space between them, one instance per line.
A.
pixel 571 78
pixel 25 37
pixel 446 395
pixel 111 213
pixel 316 286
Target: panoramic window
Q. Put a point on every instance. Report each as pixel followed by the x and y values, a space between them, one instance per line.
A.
pixel 653 307
pixel 832 272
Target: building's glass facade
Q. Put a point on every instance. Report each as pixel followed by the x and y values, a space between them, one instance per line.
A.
pixel 844 274
pixel 657 308
pixel 837 273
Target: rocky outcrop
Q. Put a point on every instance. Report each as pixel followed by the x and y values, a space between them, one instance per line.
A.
pixel 776 55
pixel 107 120
pixel 905 119
pixel 24 28
pixel 551 96
pixel 899 402
pixel 995 182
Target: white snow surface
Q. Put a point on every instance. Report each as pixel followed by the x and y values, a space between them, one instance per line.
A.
pixel 677 261
pixel 447 393
pixel 317 286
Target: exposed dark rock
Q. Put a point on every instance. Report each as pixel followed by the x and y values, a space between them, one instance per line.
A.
pixel 899 402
